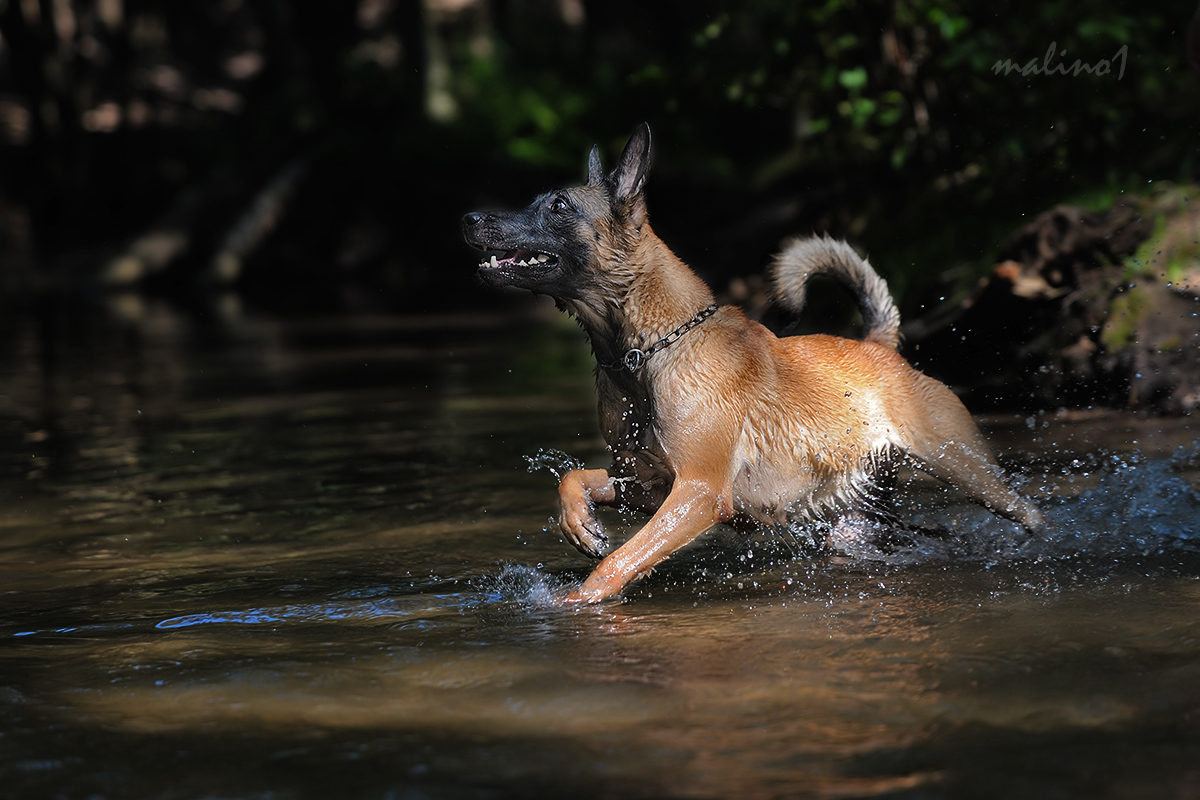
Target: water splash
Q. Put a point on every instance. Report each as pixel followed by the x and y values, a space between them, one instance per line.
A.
pixel 1138 506
pixel 528 587
pixel 1134 507
pixel 556 461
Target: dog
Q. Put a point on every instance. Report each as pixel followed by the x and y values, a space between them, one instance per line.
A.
pixel 709 416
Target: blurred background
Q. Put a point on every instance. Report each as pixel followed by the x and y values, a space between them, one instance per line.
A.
pixel 316 157
pixel 276 467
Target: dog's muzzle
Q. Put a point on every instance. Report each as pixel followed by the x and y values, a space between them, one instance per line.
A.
pixel 503 258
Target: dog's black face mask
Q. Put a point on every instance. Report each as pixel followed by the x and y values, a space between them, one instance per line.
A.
pixel 568 240
pixel 549 247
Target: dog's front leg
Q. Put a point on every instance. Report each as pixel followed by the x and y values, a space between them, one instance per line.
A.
pixel 690 509
pixel 578 493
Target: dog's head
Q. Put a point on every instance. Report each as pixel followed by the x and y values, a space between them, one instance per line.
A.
pixel 566 241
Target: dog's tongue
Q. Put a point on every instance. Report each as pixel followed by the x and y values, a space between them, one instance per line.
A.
pixel 519 256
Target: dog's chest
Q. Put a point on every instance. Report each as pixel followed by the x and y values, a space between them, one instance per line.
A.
pixel 626 408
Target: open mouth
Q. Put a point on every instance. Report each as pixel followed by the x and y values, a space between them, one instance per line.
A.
pixel 519 258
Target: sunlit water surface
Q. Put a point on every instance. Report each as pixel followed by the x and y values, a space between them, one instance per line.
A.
pixel 254 558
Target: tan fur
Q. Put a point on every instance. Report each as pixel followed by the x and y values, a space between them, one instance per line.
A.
pixel 730 422
pixel 776 428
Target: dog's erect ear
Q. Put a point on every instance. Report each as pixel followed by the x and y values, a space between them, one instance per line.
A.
pixel 630 175
pixel 595 168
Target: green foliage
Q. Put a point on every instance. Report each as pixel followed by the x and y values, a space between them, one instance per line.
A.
pixel 906 97
pixel 892 112
pixel 537 117
pixel 850 83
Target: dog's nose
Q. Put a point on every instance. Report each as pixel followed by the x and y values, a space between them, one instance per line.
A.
pixel 472 219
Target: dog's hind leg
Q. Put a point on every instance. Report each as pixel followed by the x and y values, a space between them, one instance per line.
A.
pixel 970 469
pixel 942 439
pixel 689 510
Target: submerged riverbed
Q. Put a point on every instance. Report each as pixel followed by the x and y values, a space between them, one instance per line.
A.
pixel 250 557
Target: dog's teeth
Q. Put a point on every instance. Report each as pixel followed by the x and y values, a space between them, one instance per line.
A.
pixel 542 258
pixel 494 262
pixel 522 263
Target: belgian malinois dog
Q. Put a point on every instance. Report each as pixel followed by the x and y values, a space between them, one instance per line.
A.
pixel 709 416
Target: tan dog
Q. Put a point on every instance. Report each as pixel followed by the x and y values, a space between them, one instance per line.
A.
pixel 709 416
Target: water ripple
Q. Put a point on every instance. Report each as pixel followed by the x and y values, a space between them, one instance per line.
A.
pixel 376 611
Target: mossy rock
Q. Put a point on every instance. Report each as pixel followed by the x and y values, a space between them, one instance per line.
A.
pixel 1084 308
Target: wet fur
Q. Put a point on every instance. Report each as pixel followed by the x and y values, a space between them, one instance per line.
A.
pixel 729 423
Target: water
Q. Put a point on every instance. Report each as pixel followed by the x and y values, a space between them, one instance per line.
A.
pixel 246 557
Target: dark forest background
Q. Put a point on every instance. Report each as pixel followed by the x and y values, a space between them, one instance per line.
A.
pixel 318 155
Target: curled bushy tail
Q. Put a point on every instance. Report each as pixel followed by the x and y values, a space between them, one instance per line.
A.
pixel 803 258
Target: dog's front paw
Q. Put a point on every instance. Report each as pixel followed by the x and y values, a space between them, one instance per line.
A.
pixel 600 586
pixel 583 530
pixel 578 597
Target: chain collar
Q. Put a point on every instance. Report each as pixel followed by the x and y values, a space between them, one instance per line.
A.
pixel 634 359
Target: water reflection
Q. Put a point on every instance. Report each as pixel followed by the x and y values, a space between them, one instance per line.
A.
pixel 249 557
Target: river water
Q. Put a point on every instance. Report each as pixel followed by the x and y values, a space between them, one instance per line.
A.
pixel 253 557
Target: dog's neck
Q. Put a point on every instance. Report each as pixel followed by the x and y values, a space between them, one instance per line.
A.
pixel 663 294
pixel 653 292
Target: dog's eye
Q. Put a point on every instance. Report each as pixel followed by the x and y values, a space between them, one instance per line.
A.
pixel 559 205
